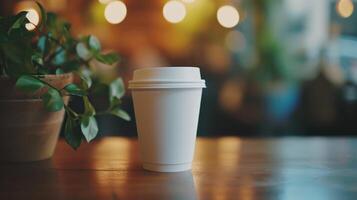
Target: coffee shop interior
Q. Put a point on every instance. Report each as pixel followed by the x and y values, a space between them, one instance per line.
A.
pixel 272 67
pixel 277 118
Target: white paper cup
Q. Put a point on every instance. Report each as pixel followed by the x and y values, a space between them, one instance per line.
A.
pixel 167 104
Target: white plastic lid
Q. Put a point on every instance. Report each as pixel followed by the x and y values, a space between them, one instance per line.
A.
pixel 167 77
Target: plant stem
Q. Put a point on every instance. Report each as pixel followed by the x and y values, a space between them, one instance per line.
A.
pixel 70 111
pixel 47 84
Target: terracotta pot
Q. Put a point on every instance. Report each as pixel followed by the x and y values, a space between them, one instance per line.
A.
pixel 27 131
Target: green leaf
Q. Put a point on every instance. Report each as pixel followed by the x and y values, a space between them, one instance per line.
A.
pixel 28 83
pixel 37 59
pixel 109 58
pixel 20 21
pixel 120 113
pixel 116 89
pixel 60 57
pixel 59 71
pixel 86 82
pixel 71 65
pixel 82 51
pixel 51 20
pixel 89 127
pixel 66 31
pixel 52 100
pixel 73 89
pixel 86 78
pixel 73 138
pixel 88 107
pixel 43 15
pixel 18 59
pixel 41 44
pixel 94 43
pixel 115 103
pixel 84 39
pixel 13 53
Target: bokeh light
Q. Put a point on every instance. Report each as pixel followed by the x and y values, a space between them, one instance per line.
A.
pixel 235 41
pixel 105 1
pixel 228 16
pixel 231 96
pixel 345 8
pixel 188 1
pixel 115 12
pixel 174 11
pixel 34 18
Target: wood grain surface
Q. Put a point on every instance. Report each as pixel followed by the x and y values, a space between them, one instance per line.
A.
pixel 224 168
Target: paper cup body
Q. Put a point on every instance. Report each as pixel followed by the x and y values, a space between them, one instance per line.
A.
pixel 167 113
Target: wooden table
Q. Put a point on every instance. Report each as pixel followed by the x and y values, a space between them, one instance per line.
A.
pixel 224 168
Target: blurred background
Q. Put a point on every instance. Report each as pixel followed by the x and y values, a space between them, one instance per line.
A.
pixel 272 67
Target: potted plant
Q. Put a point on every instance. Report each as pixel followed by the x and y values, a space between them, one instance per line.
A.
pixel 40 71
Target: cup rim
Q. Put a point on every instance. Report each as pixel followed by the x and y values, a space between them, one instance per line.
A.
pixel 166 85
pixel 169 67
pixel 164 73
pixel 164 81
pixel 167 77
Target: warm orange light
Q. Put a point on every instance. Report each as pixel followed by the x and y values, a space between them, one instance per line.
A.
pixel 32 15
pixel 115 12
pixel 174 11
pixel 188 1
pixel 235 41
pixel 34 18
pixel 228 16
pixel 105 1
pixel 345 8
